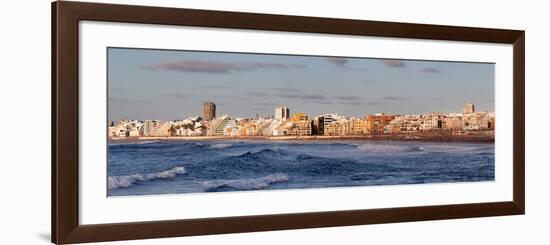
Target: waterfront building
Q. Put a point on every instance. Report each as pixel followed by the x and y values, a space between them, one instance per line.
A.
pixel 298 125
pixel 220 129
pixel 125 128
pixel 274 128
pixel 249 129
pixel 230 128
pixel 132 132
pixel 469 108
pixel 191 126
pixel 318 126
pixel 492 120
pixel 118 130
pixel 467 122
pixel 338 128
pixel 212 125
pixel 377 122
pixel 332 129
pixel 282 113
pixel 324 120
pixel 393 128
pixel 162 129
pixel 208 111
pixel 360 126
pixel 111 131
pixel 476 121
pixel 148 127
pixel 453 121
pixel 412 124
pixel 261 125
pixel 432 121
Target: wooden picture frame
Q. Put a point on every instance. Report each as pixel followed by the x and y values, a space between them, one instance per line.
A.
pixel 65 121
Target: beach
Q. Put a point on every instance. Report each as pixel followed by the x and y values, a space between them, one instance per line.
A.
pixel 382 137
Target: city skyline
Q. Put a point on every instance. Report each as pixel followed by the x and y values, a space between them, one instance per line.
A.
pixel 167 85
pixel 468 122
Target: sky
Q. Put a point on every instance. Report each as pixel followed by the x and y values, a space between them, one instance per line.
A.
pixel 173 84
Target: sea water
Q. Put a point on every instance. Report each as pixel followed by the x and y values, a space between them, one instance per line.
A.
pixel 161 167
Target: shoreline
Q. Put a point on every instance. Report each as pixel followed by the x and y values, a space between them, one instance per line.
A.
pixel 428 138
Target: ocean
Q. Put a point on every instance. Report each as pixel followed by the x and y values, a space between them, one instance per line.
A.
pixel 163 167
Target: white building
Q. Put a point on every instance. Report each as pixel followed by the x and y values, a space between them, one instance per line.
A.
pixel 282 113
pixel 469 108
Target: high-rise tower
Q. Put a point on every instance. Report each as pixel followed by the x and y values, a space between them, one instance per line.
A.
pixel 208 111
pixel 469 108
pixel 282 113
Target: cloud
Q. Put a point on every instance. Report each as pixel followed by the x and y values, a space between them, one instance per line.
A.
pixel 300 66
pixel 313 97
pixel 435 99
pixel 124 100
pixel 217 67
pixel 337 61
pixel 342 63
pixel 394 63
pixel 214 87
pixel 288 96
pixel 224 103
pixel 316 97
pixel 180 96
pixel 265 104
pixel 431 70
pixel 256 93
pixel 349 98
pixel 325 102
pixel 374 103
pixel 285 89
pixel 393 98
pixel 350 103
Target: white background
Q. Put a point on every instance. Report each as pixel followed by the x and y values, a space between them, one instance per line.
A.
pixel 25 155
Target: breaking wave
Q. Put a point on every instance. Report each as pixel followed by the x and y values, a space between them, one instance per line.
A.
pixel 220 146
pixel 244 184
pixel 256 154
pixel 455 148
pixel 115 182
pixel 388 148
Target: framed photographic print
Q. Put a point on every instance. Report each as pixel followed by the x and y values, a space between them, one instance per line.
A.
pixel 175 122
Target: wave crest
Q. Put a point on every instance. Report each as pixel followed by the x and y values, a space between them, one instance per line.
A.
pixel 220 146
pixel 388 148
pixel 245 184
pixel 114 182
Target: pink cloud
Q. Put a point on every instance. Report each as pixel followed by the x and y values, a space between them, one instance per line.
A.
pixel 337 61
pixel 217 66
pixel 394 63
pixel 431 70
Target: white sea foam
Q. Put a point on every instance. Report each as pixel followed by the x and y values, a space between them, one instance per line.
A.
pixel 220 145
pixel 147 142
pixel 450 148
pixel 115 182
pixel 388 148
pixel 247 184
pixel 422 147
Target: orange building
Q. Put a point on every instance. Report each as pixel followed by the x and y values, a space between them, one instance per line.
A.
pixel 377 122
pixel 298 124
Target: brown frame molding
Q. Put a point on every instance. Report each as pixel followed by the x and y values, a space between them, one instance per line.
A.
pixel 65 211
